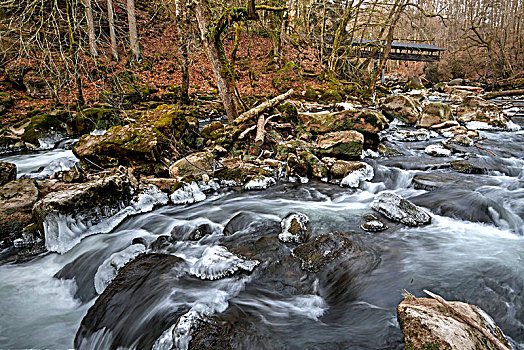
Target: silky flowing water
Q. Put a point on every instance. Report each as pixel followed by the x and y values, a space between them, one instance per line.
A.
pixel 472 251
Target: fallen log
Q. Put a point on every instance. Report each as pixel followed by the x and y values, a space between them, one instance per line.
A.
pixel 261 108
pixel 495 94
pixel 261 132
pixel 468 320
pixel 247 131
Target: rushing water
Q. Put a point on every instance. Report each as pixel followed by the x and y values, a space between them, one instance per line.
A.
pixel 472 251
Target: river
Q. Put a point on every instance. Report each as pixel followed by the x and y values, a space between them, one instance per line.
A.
pixel 473 251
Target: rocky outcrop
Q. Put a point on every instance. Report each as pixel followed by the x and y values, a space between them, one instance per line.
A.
pixel 68 215
pixel 347 144
pixel 426 324
pixel 402 108
pixel 476 109
pixel 317 253
pixel 434 113
pixel 366 121
pixel 295 228
pixel 396 208
pixel 7 172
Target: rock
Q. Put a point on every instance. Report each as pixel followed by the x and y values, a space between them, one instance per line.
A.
pixel 476 109
pixel 373 224
pixel 260 182
pixel 6 102
pixel 396 208
pixel 456 82
pixel 239 222
pixel 66 216
pixel 188 194
pixel 107 322
pixel 317 253
pixel 16 202
pixel 129 145
pixel 316 167
pixel 296 166
pixel 213 130
pixel 457 95
pixel 463 140
pixel 341 143
pixel 388 151
pixel 341 168
pixel 434 113
pixel 37 86
pixel 46 129
pixel 360 120
pixel 235 172
pixel 97 118
pixel 427 324
pixel 193 165
pixel 437 150
pixel 295 228
pixel 174 124
pixel 401 107
pixel 7 172
pixel 459 130
pixel 10 143
pixel 412 135
pixel 469 167
pixel 354 177
pixel 283 149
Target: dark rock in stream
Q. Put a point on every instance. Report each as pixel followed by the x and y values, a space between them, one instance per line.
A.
pixel 295 228
pixel 120 317
pixel 315 254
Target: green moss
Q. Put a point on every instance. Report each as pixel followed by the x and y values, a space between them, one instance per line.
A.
pixel 311 94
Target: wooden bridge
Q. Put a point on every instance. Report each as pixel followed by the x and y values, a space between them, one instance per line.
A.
pixel 400 51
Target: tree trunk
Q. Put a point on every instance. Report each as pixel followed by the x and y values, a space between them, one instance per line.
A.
pixel 184 89
pixel 133 34
pixel 217 58
pixel 111 18
pixel 91 29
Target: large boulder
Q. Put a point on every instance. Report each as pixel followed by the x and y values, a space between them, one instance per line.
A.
pixel 68 215
pixel 434 113
pixel 129 145
pixel 399 209
pixel 107 323
pixel 366 121
pixel 426 324
pixel 401 107
pixel 341 143
pixel 476 109
pixel 7 172
pixel 16 201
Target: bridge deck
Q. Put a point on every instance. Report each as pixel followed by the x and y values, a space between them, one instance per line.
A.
pixel 401 51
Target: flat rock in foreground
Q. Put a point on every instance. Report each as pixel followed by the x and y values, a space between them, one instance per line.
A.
pixel 427 324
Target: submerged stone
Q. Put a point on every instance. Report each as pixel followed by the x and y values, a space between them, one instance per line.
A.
pixel 317 253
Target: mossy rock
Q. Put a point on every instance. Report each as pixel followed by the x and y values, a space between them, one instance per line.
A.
pixel 46 124
pixel 289 113
pixel 434 113
pixel 129 145
pixel 367 121
pixel 90 119
pixel 213 130
pixel 311 94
